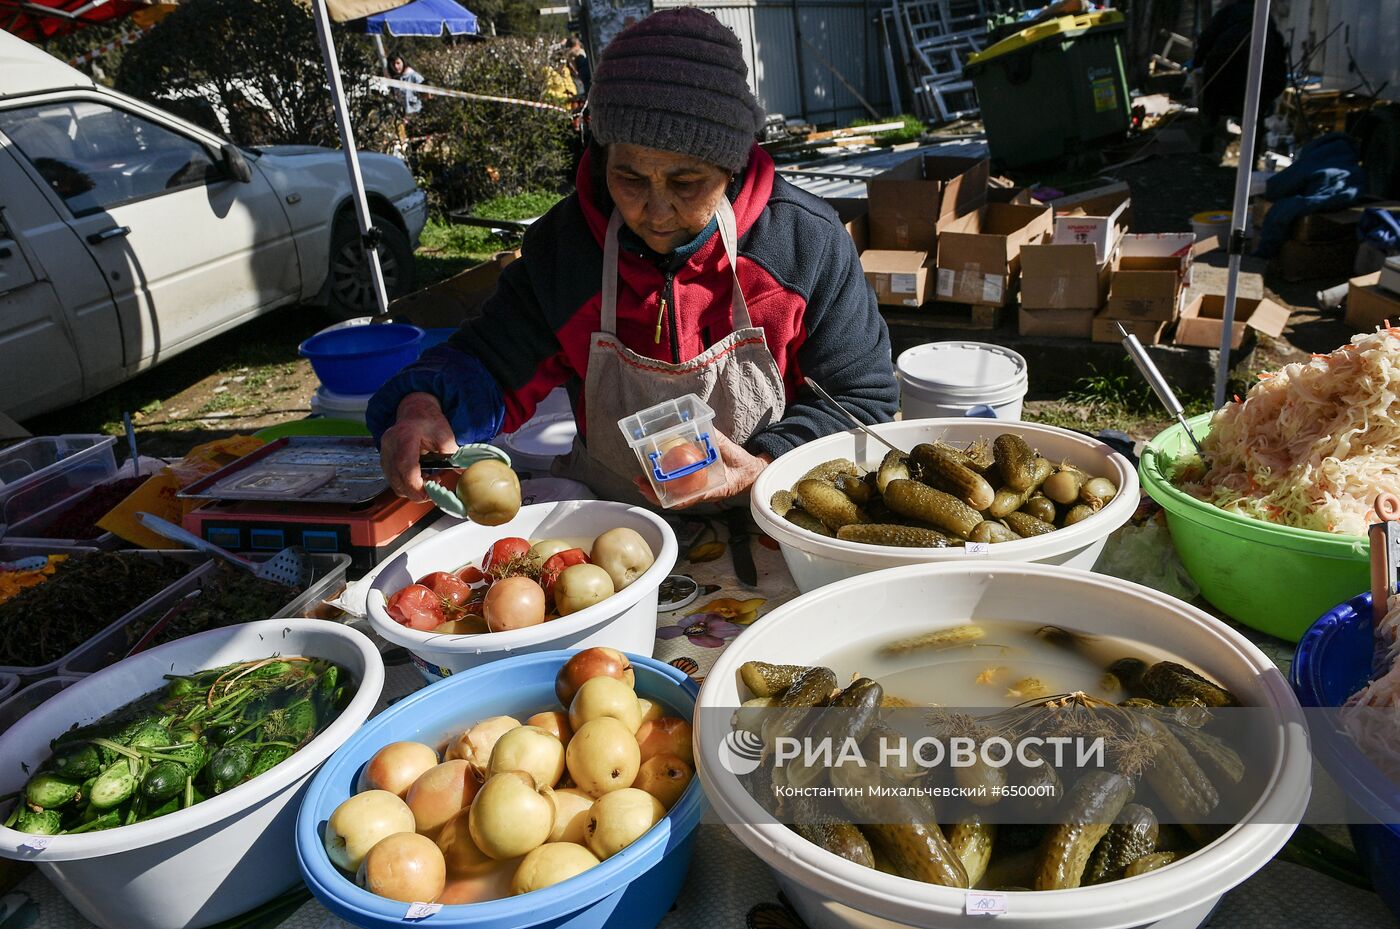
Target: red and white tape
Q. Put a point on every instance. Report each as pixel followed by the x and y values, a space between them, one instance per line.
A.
pixel 464 95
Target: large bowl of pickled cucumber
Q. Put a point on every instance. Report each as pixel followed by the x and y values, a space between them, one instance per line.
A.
pixel 1205 775
pixel 845 505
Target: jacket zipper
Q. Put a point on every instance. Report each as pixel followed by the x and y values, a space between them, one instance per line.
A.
pixel 666 311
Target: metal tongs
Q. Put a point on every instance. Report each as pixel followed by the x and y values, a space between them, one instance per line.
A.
pixel 466 456
pixel 1159 384
pixel 1385 555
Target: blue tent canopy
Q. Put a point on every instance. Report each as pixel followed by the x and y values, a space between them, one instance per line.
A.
pixel 422 18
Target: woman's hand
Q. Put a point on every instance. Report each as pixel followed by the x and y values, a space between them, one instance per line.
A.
pixel 741 470
pixel 419 428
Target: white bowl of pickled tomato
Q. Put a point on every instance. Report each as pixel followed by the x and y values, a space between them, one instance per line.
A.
pixel 452 634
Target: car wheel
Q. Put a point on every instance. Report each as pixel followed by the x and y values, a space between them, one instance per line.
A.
pixel 350 292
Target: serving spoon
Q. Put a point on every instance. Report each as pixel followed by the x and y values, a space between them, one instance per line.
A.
pixel 852 417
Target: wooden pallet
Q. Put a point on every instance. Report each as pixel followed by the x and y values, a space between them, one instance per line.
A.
pixel 962 315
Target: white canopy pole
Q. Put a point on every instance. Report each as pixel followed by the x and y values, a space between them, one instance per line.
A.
pixel 1249 124
pixel 368 234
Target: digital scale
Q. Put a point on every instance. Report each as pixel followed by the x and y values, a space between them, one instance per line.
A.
pixel 324 493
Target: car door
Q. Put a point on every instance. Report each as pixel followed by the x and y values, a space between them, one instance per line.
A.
pixel 187 250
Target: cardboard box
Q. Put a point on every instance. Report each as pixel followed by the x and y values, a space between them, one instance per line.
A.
pixel 1148 331
pixel 1390 275
pixel 1368 306
pixel 1097 218
pixel 855 216
pixel 1203 318
pixel 911 203
pixel 1062 324
pixel 900 278
pixel 1149 276
pixel 1301 261
pixel 453 301
pixel 982 264
pixel 1063 277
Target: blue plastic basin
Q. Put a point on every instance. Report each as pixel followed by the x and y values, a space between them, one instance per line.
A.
pixel 633 889
pixel 358 360
pixel 1332 662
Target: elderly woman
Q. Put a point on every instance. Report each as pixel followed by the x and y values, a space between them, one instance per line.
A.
pixel 682 264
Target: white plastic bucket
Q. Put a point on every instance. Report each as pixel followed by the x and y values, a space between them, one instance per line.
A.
pixel 340 406
pixel 625 621
pixel 219 858
pixel 830 892
pixel 815 560
pixel 1211 223
pixel 950 378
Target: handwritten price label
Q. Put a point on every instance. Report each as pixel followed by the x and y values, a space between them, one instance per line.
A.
pixel 422 910
pixel 38 843
pixel 977 548
pixel 985 903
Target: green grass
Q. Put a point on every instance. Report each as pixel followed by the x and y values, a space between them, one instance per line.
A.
pixel 913 129
pixel 446 249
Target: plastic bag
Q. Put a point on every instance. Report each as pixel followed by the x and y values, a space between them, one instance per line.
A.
pixel 1146 555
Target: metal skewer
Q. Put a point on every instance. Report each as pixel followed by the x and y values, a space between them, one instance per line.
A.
pixel 1159 384
pixel 852 417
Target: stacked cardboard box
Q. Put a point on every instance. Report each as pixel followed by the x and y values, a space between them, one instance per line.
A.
pixel 981 264
pixel 1369 305
pixel 1146 287
pixel 1065 281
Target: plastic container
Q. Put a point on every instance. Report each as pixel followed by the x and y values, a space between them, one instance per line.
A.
pixel 952 378
pixel 349 407
pixel 359 359
pixel 1332 662
pixel 534 446
pixel 816 560
pixel 1240 562
pixel 20 703
pixel 112 644
pixel 625 621
pixel 32 528
pixel 631 890
pixel 162 600
pixel 1052 87
pixel 1211 223
pixel 65 463
pixel 674 445
pixel 217 859
pixel 829 891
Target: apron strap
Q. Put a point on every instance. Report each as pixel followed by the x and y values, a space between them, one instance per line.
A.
pixel 728 235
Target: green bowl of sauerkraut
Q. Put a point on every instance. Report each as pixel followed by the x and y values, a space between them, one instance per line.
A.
pixel 1274 578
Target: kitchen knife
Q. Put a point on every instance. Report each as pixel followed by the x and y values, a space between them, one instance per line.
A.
pixel 737 521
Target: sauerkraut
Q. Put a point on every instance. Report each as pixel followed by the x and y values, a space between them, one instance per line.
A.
pixel 1311 445
pixel 1378 733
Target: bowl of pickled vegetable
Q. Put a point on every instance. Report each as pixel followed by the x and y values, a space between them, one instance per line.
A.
pixel 162 791
pixel 948 790
pixel 845 505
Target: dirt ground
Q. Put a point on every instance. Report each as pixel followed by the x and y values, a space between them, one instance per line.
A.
pixel 252 377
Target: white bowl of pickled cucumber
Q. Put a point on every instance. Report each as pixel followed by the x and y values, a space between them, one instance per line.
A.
pixel 162 792
pixel 1203 774
pixel 845 504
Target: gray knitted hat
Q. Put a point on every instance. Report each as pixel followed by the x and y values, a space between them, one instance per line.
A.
pixel 677 81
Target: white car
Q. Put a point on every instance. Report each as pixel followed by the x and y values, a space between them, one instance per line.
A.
pixel 128 235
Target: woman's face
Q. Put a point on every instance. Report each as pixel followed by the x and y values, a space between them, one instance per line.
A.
pixel 665 198
pixel 396 65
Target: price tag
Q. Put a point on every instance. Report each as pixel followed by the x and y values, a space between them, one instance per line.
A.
pixel 978 548
pixel 422 910
pixel 985 903
pixel 38 843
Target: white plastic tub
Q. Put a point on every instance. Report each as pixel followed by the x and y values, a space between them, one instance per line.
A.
pixel 950 378
pixel 625 621
pixel 219 858
pixel 830 892
pixel 816 560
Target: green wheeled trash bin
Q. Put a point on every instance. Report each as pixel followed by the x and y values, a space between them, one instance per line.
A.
pixel 1053 86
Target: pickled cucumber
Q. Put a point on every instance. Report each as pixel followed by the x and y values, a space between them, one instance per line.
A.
pixel 782 501
pixel 827 503
pixel 1015 460
pixel 1041 507
pixel 1092 806
pixel 768 680
pixel 1027 526
pixel 1167 681
pixel 944 469
pixel 892 534
pixel 921 502
pixel 856 488
pixel 804 520
pixel 1078 513
pixel 1127 840
pixel 895 466
pixel 943 638
pixel 831 470
pixel 991 531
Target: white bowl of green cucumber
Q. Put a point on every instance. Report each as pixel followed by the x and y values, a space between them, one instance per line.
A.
pixel 221 841
pixel 941 505
pixel 967 635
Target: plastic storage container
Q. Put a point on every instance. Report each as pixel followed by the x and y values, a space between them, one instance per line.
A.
pixel 221 857
pixel 676 448
pixel 633 889
pixel 534 446
pixel 953 378
pixel 625 621
pixel 165 598
pixel 1240 562
pixel 35 527
pixel 354 360
pixel 348 407
pixel 816 560
pixel 22 701
pixel 1052 86
pixel 112 644
pixel 65 463
pixel 829 892
pixel 1332 662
